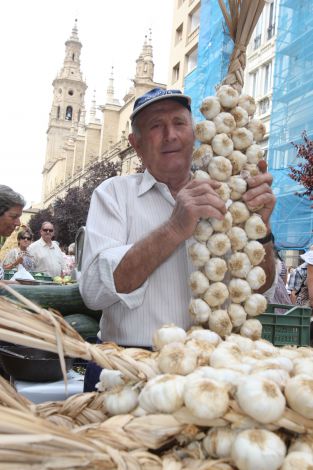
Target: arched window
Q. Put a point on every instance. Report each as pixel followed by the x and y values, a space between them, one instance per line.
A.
pixel 69 113
pixel 79 115
pixel 58 112
pixel 73 56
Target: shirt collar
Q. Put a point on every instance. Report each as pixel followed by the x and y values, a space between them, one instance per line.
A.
pixel 147 182
pixel 43 243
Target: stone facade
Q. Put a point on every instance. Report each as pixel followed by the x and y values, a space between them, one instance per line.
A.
pixel 73 145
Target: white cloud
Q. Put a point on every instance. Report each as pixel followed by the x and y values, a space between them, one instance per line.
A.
pixel 32 35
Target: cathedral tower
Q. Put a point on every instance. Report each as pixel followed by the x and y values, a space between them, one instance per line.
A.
pixel 67 106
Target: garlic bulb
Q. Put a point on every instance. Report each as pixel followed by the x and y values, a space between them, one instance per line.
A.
pixel 204 335
pixel 302 443
pixel 201 175
pixel 238 238
pixel 168 334
pixel 108 379
pixel 198 283
pixel 240 115
pixel 210 107
pixel 255 305
pixel 220 168
pixel 279 376
pixel 256 277
pixel 205 131
pixel 218 442
pixel 229 356
pixel 255 252
pixel 206 398
pixel 220 322
pixel 222 225
pixel 215 269
pixel 254 153
pixel 228 96
pixel 218 244
pixel 245 344
pixel 238 160
pixel 242 138
pixel 258 449
pixel 248 103
pixel 199 310
pixel 238 187
pixel 239 291
pixel 224 123
pixel 216 294
pixel 261 399
pixel 251 168
pixel 202 349
pixel 298 461
pixel 239 265
pixel 120 400
pixel 303 365
pixel 201 156
pixel 175 358
pixel 199 254
pixel 255 227
pixel 223 191
pixel 240 212
pixel 237 314
pixel 222 145
pixel 298 392
pixel 251 329
pixel 257 128
pixel 203 231
pixel 163 394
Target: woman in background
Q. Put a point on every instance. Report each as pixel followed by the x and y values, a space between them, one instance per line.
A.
pixel 20 255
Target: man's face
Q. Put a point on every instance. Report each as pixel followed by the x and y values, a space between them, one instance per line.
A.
pixel 47 232
pixel 165 140
pixel 9 220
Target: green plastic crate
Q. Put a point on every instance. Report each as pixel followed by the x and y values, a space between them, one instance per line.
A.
pixel 286 324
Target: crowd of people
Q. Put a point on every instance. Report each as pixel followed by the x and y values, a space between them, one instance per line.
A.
pixel 135 265
pixel 44 255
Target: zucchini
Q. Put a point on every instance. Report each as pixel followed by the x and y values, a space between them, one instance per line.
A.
pixel 86 326
pixel 64 298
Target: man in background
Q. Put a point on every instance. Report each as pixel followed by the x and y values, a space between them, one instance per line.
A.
pixel 47 255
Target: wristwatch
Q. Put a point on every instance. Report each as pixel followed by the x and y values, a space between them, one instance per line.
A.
pixel 268 238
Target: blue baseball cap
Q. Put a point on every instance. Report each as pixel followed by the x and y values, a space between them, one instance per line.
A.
pixel 157 94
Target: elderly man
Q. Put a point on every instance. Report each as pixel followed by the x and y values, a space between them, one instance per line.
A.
pixel 48 257
pixel 135 263
pixel 11 207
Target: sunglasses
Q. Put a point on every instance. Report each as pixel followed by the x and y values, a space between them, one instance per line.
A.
pixel 26 238
pixel 47 230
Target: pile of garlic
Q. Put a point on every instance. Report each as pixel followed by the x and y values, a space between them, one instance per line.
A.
pixel 226 253
pixel 248 402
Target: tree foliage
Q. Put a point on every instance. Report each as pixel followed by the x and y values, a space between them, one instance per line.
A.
pixel 303 172
pixel 35 222
pixel 70 212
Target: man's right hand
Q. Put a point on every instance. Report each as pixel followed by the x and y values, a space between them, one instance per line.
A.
pixel 198 199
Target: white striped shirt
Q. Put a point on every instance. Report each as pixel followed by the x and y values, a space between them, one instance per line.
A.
pixel 123 210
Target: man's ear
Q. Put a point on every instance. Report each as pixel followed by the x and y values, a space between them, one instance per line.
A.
pixel 134 142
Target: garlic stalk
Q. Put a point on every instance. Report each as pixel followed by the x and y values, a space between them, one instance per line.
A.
pixel 258 449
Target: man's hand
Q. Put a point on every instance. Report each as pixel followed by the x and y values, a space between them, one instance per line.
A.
pixel 198 199
pixel 260 194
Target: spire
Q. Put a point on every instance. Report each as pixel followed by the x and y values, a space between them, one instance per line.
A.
pixel 144 63
pixel 74 36
pixel 110 89
pixel 93 109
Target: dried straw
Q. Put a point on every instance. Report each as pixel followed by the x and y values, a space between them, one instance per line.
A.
pixel 241 18
pixel 27 324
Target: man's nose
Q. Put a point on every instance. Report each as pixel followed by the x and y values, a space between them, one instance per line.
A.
pixel 169 132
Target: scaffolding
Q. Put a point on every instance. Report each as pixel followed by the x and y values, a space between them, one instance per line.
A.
pixel 292 106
